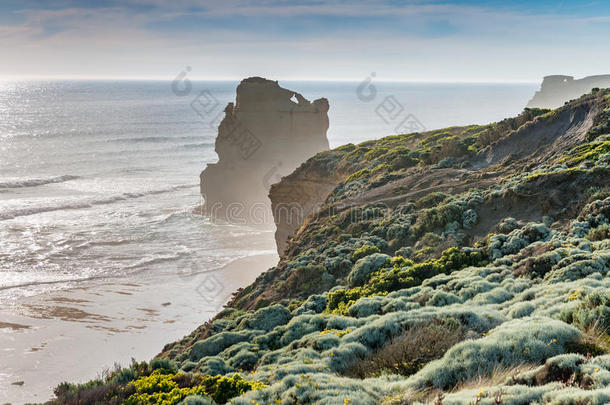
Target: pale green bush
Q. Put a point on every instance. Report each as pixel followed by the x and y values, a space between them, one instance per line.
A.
pixel 321 388
pixel 528 340
pixel 197 400
pixel 469 218
pixel 213 365
pixel 314 304
pixel 521 309
pixel 365 267
pixel 301 325
pixel 593 310
pixel 267 318
pixel 217 343
pixel 502 245
pixel 442 298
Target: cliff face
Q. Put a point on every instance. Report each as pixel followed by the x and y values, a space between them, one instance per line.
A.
pixel 558 89
pixel 296 196
pixel 265 135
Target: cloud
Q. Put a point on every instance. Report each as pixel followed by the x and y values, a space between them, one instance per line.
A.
pixel 414 39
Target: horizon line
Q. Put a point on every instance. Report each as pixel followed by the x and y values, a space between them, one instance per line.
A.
pixel 11 78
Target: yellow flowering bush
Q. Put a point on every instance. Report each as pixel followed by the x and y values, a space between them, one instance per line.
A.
pixel 163 388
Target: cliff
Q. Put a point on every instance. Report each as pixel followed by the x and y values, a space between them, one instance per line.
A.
pixel 457 266
pixel 265 135
pixel 558 89
pixel 298 195
pixel 372 164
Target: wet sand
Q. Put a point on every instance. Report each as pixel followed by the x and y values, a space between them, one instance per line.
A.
pixel 75 334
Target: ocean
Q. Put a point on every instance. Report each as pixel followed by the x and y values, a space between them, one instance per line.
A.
pixel 99 179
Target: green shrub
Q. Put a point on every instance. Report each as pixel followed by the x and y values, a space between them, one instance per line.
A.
pixel 161 388
pixel 315 304
pixel 408 353
pixel 160 363
pixel 124 376
pixel 365 267
pixel 431 200
pixel 268 318
pixel 217 343
pixel 357 175
pixel 222 388
pixel 403 274
pixel 92 392
pixel 306 280
pixel 197 400
pixel 167 388
pixel 213 365
pixel 600 233
pixel 593 310
pixel 589 151
pixel 365 250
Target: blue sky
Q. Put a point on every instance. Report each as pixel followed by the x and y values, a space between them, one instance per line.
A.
pixel 425 40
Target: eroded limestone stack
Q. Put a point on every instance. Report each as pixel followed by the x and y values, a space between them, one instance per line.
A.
pixel 265 135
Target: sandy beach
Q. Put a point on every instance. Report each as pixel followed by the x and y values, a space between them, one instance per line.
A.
pixel 75 334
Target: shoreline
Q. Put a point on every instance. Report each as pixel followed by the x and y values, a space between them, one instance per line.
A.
pixel 75 334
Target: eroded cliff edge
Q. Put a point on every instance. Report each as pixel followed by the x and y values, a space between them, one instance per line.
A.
pixel 267 133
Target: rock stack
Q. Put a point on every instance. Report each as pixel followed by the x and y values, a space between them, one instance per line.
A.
pixel 265 135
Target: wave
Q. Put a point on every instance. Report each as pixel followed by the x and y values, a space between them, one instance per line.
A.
pixel 90 203
pixel 51 282
pixel 154 260
pixel 138 267
pixel 155 139
pixel 36 181
pixel 198 145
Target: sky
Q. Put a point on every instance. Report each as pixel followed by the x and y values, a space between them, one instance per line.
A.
pixel 419 40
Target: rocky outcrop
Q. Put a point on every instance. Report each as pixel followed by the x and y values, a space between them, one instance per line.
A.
pixel 297 196
pixel 266 134
pixel 558 89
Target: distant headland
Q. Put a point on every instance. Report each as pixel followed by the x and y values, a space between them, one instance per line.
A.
pixel 556 90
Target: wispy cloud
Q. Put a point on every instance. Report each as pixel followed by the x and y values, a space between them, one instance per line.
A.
pixel 424 39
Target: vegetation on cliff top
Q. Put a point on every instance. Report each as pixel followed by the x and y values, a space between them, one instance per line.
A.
pixel 436 272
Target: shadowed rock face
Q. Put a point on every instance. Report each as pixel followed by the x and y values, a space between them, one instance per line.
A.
pixel 265 135
pixel 558 89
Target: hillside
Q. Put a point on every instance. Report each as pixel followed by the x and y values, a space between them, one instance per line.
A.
pixel 457 266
